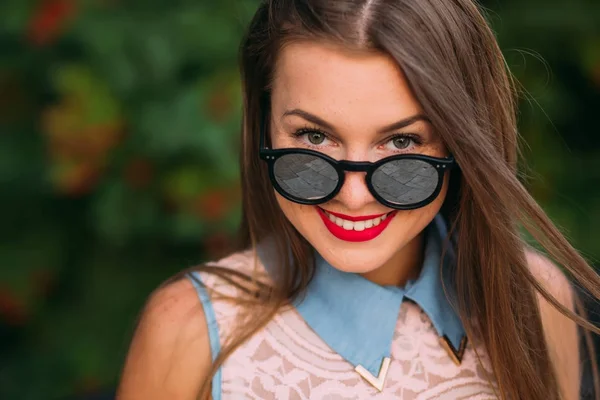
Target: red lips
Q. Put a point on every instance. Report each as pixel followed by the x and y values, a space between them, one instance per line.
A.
pixel 352 235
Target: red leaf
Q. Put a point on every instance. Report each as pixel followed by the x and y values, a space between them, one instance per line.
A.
pixel 212 206
pixel 78 180
pixel 48 20
pixel 139 173
pixel 43 281
pixel 217 245
pixel 12 308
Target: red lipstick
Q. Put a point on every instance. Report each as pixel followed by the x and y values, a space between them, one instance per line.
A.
pixel 352 235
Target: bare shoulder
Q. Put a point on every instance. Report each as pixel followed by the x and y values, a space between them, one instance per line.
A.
pixel 561 332
pixel 550 277
pixel 169 356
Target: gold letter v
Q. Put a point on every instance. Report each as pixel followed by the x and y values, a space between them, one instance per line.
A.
pixel 380 380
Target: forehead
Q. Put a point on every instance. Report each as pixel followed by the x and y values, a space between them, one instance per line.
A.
pixel 341 84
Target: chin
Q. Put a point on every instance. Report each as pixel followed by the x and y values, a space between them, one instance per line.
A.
pixel 354 262
pixel 359 257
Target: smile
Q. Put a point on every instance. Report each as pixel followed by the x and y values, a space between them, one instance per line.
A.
pixel 355 229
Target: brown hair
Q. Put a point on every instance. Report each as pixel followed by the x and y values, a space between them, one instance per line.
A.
pixel 453 63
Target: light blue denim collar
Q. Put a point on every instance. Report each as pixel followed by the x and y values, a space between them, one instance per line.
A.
pixel 357 318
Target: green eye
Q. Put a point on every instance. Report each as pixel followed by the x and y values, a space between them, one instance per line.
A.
pixel 315 137
pixel 402 142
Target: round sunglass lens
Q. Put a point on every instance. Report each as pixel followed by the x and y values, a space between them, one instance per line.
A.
pixel 405 182
pixel 305 176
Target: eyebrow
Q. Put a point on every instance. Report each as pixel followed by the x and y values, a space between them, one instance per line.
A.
pixel 321 122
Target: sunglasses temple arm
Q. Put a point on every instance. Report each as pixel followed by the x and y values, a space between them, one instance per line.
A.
pixel 261 144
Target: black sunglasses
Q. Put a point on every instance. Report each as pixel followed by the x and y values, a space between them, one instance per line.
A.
pixel 401 182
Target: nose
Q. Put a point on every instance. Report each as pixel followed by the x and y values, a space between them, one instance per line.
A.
pixel 354 194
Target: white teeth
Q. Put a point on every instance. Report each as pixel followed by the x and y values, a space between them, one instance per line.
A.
pixel 357 225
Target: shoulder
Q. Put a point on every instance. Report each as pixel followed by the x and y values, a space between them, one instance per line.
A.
pixel 170 353
pixel 169 356
pixel 561 332
pixel 550 277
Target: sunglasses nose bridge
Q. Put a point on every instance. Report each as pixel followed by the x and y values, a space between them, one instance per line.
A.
pixel 355 166
pixel 354 192
pixel 356 172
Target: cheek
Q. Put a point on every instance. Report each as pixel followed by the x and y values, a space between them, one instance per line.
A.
pixel 298 214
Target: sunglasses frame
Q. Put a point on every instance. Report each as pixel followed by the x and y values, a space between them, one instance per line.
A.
pixel 270 156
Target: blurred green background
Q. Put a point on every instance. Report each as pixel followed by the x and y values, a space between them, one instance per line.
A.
pixel 118 161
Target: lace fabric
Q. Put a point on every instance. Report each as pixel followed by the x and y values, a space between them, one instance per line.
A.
pixel 287 360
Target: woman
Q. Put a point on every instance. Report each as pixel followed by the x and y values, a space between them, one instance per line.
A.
pixel 381 253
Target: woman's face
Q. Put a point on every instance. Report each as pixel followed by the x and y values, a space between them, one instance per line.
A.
pixel 340 103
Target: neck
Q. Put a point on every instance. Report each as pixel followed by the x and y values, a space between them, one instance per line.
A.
pixel 403 266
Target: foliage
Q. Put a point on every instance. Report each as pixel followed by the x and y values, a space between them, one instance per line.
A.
pixel 118 161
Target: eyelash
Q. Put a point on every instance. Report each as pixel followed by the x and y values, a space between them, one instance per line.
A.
pixel 416 139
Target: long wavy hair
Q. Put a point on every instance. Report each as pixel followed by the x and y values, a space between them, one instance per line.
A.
pixel 457 72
